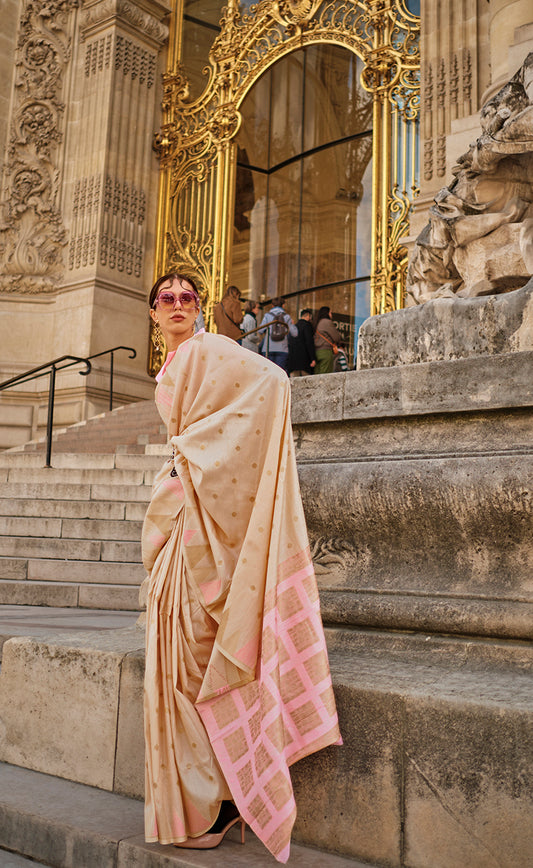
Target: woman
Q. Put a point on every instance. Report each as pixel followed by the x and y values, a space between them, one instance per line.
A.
pixel 251 309
pixel 228 314
pixel 233 623
pixel 326 337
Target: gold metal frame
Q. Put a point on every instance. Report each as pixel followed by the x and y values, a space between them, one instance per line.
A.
pixel 196 142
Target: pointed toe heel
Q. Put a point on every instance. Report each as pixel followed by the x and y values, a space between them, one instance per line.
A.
pixel 210 840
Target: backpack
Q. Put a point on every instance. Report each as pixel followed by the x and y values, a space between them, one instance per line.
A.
pixel 278 329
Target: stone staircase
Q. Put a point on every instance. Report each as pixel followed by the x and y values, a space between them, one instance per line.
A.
pixel 70 533
pixel 417 489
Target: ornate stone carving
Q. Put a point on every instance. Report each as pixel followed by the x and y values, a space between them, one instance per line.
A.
pixel 135 61
pixel 122 240
pixel 100 13
pixel 333 556
pixel 428 159
pixel 467 79
pixel 477 239
pixel 98 55
pixel 32 235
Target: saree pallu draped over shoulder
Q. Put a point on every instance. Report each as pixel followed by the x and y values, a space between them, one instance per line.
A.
pixel 237 683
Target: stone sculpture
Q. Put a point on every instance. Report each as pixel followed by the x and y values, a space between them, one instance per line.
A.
pixel 479 239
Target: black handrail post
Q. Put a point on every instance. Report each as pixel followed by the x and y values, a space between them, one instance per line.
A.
pixel 111 381
pixel 50 422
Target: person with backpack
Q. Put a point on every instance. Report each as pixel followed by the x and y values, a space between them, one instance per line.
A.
pixel 275 343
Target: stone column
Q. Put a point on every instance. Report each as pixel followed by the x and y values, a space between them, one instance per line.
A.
pixel 454 74
pixel 511 38
pixel 111 181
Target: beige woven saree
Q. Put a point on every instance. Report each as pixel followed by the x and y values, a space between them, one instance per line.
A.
pixel 237 681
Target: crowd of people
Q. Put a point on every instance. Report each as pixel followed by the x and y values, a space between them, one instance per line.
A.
pixel 312 345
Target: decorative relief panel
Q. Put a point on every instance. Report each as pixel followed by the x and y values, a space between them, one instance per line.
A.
pixel 135 61
pixel 98 55
pixel 86 207
pixel 122 241
pixel 32 234
pixel 112 11
pixel 121 231
pixel 450 88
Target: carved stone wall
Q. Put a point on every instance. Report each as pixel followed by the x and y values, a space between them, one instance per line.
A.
pixel 32 229
pixel 112 164
pixel 78 201
pixel 455 72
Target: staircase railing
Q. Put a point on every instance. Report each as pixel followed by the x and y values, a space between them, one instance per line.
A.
pixel 51 369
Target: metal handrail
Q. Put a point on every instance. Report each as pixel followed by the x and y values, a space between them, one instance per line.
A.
pixel 52 368
pixel 132 355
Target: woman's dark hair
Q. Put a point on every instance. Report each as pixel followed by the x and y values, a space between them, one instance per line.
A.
pixel 323 313
pixel 173 276
pixel 250 305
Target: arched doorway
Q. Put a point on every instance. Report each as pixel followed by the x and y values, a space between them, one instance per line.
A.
pixel 303 200
pixel 331 51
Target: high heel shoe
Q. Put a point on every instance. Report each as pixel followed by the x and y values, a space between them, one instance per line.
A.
pixel 209 840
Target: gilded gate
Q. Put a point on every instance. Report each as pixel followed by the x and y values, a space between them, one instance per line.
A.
pixel 196 144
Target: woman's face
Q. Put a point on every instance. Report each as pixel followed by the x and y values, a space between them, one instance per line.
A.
pixel 175 309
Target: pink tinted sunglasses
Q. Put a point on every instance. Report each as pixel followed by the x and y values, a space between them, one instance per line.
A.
pixel 167 300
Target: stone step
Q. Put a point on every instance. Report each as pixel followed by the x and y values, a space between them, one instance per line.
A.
pixel 29 460
pixel 81 461
pixel 52 570
pixel 158 449
pixel 40 621
pixel 77 476
pixel 76 491
pixel 73 509
pixel 86 572
pixel 70 595
pixel 70 825
pixel 73 550
pixel 54 491
pixel 437 732
pixel 70 528
pixel 13 860
pixel 29 547
pixel 123 493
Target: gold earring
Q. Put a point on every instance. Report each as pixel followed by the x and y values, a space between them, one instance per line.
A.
pixel 158 336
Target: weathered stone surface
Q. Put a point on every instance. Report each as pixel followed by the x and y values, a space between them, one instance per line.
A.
pixel 349 797
pixel 411 390
pixel 30 593
pixel 64 823
pixel 449 328
pixel 66 723
pixel 469 786
pixel 129 761
pixel 430 528
pixel 418 499
pixel 74 826
pixel 398 695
